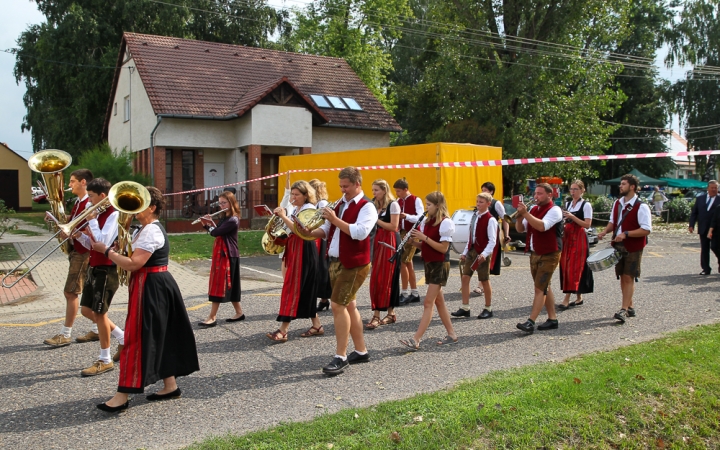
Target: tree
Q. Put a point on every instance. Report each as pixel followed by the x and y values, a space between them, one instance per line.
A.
pixel 68 62
pixel 105 163
pixel 695 39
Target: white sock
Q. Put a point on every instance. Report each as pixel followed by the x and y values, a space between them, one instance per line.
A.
pixel 66 331
pixel 415 292
pixel 489 308
pixel 105 355
pixel 465 307
pixel 118 334
pixel 94 329
pixel 344 358
pixel 405 292
pixel 361 353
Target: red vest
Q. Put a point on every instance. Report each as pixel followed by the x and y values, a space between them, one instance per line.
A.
pixel 353 253
pixel 407 205
pixel 429 254
pixel 98 259
pixel 77 210
pixel 631 222
pixel 481 237
pixel 547 241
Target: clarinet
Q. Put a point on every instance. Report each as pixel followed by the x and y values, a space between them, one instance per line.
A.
pixel 402 243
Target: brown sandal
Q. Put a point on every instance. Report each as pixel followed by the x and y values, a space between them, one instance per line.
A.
pixel 319 331
pixel 374 323
pixel 277 336
pixel 390 318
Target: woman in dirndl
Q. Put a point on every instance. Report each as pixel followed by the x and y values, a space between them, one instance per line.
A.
pixel 385 275
pixel 575 274
pixel 224 284
pixel 159 340
pixel 297 300
pixel 324 289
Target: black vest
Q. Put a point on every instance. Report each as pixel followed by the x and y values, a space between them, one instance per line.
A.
pixel 161 256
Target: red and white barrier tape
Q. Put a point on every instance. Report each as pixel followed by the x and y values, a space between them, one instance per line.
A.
pixel 489 163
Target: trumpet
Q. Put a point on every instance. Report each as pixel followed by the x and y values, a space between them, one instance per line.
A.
pixel 68 229
pixel 510 218
pixel 310 219
pixel 197 221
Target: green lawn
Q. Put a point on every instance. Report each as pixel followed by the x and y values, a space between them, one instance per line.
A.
pixel 8 253
pixel 36 217
pixel 187 247
pixel 24 232
pixel 661 394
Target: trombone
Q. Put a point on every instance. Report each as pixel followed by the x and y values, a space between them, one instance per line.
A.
pixel 68 229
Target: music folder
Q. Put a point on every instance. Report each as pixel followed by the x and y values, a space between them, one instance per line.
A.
pixel 263 210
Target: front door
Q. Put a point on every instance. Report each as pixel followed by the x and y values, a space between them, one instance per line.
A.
pixel 270 164
pixel 9 191
pixel 214 174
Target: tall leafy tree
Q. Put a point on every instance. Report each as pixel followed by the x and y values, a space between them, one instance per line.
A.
pixel 696 40
pixel 67 63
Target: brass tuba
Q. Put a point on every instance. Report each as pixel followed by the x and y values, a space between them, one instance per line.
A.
pixel 275 237
pixel 50 164
pixel 128 198
pixel 311 219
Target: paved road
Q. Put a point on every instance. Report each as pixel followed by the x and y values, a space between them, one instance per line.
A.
pixel 246 382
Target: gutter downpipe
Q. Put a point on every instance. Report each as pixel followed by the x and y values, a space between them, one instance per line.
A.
pixel 176 116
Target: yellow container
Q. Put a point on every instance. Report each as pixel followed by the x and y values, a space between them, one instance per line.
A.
pixel 460 185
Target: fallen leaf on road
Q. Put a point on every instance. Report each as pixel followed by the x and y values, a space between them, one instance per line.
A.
pixel 395 437
pixel 660 443
pixel 639 377
pixel 577 380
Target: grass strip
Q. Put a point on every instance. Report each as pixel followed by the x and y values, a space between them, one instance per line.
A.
pixel 188 247
pixel 658 394
pixel 24 232
pixel 8 253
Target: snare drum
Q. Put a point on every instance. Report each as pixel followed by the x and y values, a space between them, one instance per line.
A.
pixel 603 259
pixel 461 218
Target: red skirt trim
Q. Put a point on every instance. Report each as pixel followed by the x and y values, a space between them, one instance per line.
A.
pixel 290 296
pixel 573 258
pixel 381 277
pixel 220 279
pixel 131 375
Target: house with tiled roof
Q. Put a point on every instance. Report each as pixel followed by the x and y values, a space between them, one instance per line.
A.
pixel 201 114
pixel 15 180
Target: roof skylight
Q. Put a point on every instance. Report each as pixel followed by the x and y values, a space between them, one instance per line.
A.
pixel 320 101
pixel 336 102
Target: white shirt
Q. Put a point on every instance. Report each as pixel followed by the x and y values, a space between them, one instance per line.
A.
pixel 322 203
pixel 419 209
pixel 106 235
pixel 367 218
pixel 394 209
pixel 149 238
pixel 447 229
pixel 587 209
pixel 500 209
pixel 492 229
pixel 644 214
pixel 553 217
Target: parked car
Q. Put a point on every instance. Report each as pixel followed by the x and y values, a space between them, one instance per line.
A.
pixel 519 238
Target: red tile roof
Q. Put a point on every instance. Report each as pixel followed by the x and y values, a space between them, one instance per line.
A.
pixel 188 77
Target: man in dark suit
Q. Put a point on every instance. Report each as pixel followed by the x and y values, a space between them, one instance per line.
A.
pixel 702 214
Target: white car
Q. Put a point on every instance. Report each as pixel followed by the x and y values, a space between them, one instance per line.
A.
pixel 36 191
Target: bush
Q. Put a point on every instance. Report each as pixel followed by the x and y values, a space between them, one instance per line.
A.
pixel 602 204
pixel 103 163
pixel 679 210
pixel 5 214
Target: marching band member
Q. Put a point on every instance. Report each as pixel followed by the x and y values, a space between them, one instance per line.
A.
pixel 225 267
pixel 324 289
pixel 575 274
pixel 385 276
pixel 159 340
pixel 102 281
pixel 347 228
pixel 79 258
pixel 297 300
pixel 630 223
pixel 481 251
pixel 544 241
pixel 285 203
pixel 411 209
pixel 433 238
pixel 497 210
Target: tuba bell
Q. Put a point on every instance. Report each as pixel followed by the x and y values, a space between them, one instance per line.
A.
pixel 311 219
pixel 128 198
pixel 50 165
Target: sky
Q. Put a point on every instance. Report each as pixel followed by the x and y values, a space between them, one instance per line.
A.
pixel 18 14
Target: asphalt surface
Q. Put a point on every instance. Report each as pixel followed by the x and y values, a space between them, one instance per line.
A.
pixel 246 382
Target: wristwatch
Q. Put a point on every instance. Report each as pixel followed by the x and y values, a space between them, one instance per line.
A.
pixel 627 234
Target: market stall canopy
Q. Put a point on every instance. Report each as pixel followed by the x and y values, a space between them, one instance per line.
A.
pixel 644 180
pixel 685 184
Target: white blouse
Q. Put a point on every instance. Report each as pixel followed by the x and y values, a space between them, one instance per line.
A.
pixel 447 229
pixel 394 209
pixel 149 238
pixel 587 209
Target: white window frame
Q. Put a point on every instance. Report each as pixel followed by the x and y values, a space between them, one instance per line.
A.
pixel 126 117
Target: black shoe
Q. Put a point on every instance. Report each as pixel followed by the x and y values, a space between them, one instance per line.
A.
pixel 578 303
pixel 208 325
pixel 461 313
pixel 562 307
pixel 113 409
pixel 357 358
pixel 528 327
pixel 485 314
pixel 620 315
pixel 170 395
pixel 414 298
pixel 705 272
pixel 336 366
pixel 323 305
pixel 235 320
pixel 405 299
pixel 550 324
pixel 631 312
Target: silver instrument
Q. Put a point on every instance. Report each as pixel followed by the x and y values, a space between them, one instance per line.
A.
pixel 407 237
pixel 603 259
pixel 197 221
